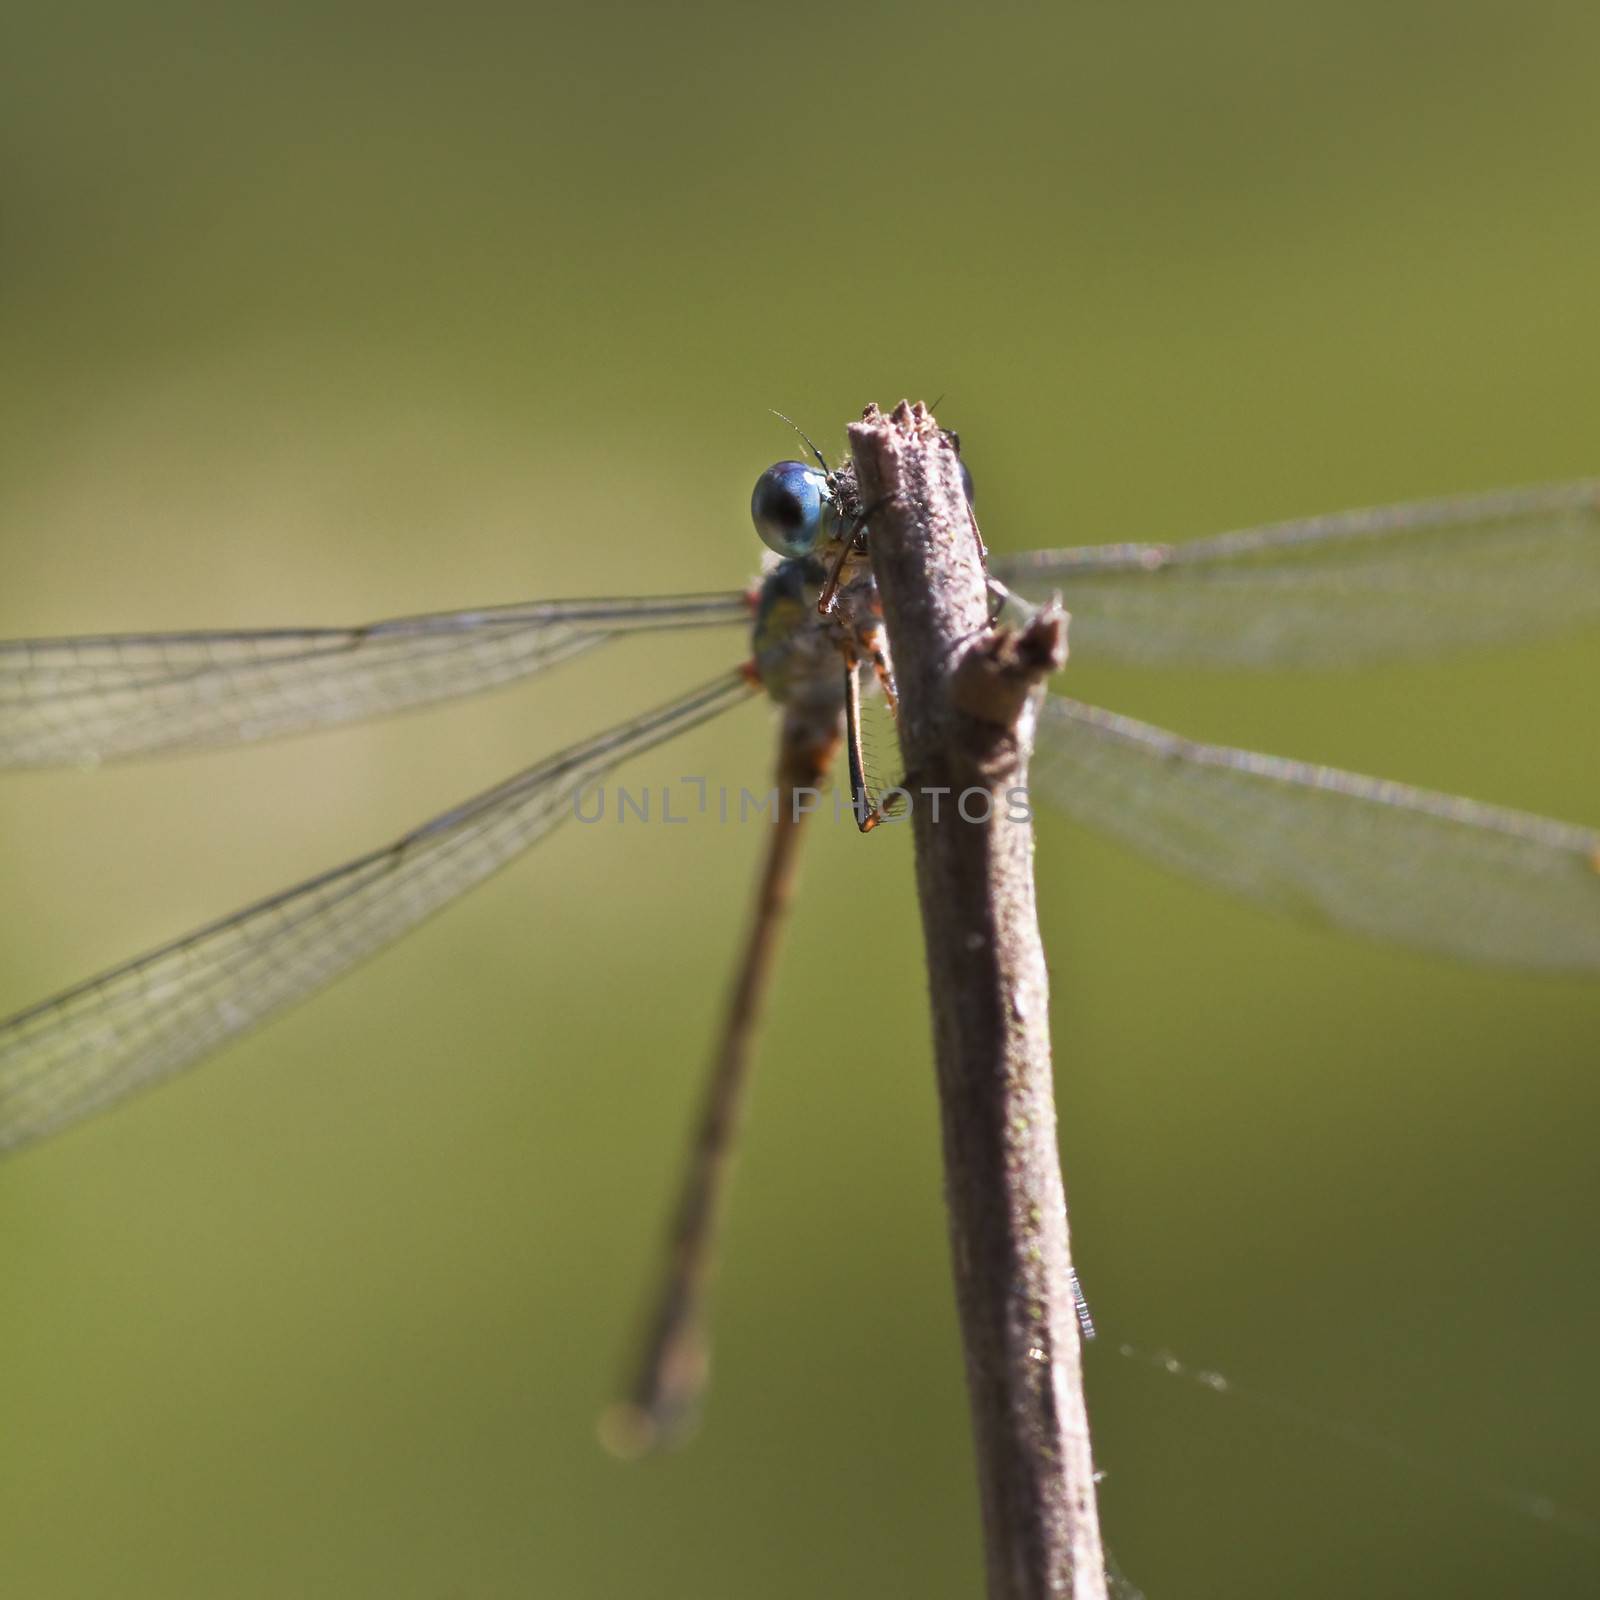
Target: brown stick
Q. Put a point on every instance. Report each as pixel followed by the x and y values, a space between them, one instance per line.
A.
pixel 966 727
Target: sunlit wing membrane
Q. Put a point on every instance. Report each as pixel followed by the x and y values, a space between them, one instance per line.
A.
pixel 1443 874
pixel 104 698
pixel 139 1023
pixel 1407 580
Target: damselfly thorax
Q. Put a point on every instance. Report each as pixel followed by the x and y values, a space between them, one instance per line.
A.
pixel 815 665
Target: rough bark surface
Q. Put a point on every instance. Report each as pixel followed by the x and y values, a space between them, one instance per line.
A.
pixel 967 701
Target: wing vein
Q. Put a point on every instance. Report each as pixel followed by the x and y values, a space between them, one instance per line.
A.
pixel 1402 581
pixel 107 697
pixel 140 1022
pixel 1454 876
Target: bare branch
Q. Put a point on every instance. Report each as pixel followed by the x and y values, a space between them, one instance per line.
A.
pixel 967 705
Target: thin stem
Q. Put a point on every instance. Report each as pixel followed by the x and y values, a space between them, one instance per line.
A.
pixel 663 1398
pixel 968 694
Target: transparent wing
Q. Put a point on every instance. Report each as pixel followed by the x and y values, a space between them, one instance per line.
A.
pixel 141 1022
pixel 107 697
pixel 1443 874
pixel 1407 580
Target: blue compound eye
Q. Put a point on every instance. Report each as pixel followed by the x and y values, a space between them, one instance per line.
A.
pixel 788 507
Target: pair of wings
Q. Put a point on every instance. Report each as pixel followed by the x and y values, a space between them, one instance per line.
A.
pixel 1448 875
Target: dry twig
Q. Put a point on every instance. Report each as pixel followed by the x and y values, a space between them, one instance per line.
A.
pixel 967 700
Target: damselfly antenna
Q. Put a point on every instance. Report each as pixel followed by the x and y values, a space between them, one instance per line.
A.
pixel 822 460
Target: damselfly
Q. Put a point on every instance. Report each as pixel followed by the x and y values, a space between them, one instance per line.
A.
pixel 1453 876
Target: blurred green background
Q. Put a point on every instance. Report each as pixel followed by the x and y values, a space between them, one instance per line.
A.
pixel 315 314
